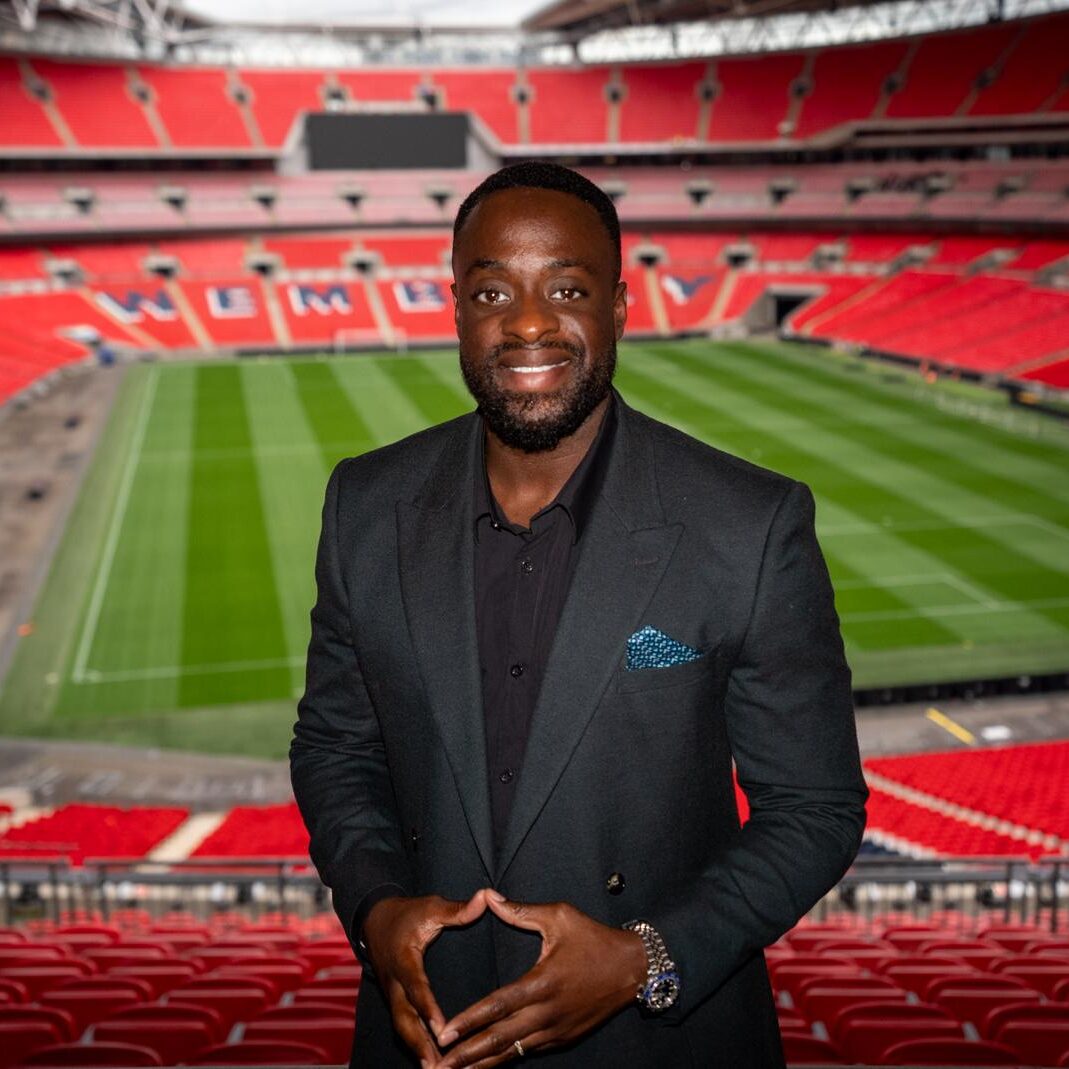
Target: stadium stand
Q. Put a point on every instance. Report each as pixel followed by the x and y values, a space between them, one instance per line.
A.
pixel 242 987
pixel 78 831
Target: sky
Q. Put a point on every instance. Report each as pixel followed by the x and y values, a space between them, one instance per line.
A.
pixel 384 12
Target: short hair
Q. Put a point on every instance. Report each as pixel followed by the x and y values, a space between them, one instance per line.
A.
pixel 536 174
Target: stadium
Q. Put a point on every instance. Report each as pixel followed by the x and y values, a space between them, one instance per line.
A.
pixel 225 264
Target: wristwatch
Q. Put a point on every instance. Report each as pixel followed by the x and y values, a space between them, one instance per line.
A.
pixel 662 981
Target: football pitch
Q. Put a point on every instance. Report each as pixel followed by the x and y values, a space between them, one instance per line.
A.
pixel 176 610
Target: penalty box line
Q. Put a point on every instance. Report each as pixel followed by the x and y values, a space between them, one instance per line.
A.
pixel 173 671
pixel 111 544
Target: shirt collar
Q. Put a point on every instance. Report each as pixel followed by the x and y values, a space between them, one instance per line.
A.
pixel 577 495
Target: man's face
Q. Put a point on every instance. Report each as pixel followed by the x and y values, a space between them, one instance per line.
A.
pixel 538 311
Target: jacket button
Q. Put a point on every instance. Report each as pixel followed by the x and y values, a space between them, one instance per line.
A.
pixel 616 883
pixel 415 840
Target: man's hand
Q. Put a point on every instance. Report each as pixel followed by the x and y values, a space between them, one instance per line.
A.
pixel 586 972
pixel 397 932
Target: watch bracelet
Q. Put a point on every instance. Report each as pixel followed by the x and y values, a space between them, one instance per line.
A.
pixel 657 958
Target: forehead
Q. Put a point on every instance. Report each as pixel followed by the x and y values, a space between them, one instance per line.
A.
pixel 512 222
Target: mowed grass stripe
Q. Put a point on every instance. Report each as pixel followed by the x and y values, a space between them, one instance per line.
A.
pixel 231 609
pixel 982 558
pixel 335 423
pixel 985 442
pixel 722 427
pixel 435 397
pixel 292 476
pixel 961 454
pixel 388 412
pixel 142 614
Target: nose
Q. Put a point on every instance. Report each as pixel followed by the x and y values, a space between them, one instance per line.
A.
pixel 530 317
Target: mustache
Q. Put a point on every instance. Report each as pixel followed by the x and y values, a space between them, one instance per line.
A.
pixel 578 351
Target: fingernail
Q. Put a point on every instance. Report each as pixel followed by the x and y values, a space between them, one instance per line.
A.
pixel 497 896
pixel 448 1037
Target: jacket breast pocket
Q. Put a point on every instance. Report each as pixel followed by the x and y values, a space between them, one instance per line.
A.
pixel 676 675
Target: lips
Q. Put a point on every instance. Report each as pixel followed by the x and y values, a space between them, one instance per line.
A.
pixel 533 369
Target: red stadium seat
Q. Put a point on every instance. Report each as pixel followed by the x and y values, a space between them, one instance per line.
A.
pixel 867 1041
pixel 331 1034
pixel 174 1041
pixel 98 1054
pixel 160 978
pixel 60 1020
pixel 176 1012
pixel 1037 1042
pixel 1000 1016
pixel 88 1007
pixel 13 991
pixel 343 995
pixel 262 1052
pixel 878 1009
pixel 949 1052
pixel 21 1038
pixel 36 979
pixel 809 1050
pixel 236 1001
pixel 824 1002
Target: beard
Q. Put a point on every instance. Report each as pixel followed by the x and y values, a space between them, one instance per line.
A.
pixel 537 422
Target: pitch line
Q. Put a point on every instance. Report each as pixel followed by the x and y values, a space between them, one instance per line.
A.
pixel 867 527
pixel 118 516
pixel 955 610
pixel 173 671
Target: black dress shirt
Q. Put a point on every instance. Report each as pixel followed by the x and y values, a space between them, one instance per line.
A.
pixel 522 575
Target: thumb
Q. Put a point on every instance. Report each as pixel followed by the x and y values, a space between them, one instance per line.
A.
pixel 466 912
pixel 518 914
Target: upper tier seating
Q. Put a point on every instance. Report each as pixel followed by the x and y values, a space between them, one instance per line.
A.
pixel 96 103
pixel 1009 68
pixel 943 68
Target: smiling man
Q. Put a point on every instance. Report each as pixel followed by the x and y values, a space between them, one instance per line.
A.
pixel 543 634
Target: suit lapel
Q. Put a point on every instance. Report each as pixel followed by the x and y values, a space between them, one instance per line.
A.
pixel 623 555
pixel 436 559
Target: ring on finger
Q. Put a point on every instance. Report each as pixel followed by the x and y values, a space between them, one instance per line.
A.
pixel 520 1052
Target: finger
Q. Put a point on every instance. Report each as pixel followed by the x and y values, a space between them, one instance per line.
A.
pixel 499 1004
pixel 471 910
pixel 521 914
pixel 497 1044
pixel 411 1028
pixel 417 990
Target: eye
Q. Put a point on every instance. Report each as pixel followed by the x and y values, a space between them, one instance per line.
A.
pixel 568 293
pixel 489 295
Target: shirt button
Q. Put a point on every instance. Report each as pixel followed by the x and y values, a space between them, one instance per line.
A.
pixel 507 776
pixel 615 883
pixel 517 670
pixel 526 566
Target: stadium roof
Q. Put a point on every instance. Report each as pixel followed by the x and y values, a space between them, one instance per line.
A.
pixel 343 33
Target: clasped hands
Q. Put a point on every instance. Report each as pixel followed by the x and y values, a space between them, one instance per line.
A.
pixel 586 972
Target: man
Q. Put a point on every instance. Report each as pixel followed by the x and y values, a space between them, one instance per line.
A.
pixel 543 633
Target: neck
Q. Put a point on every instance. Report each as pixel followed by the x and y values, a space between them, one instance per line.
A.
pixel 523 483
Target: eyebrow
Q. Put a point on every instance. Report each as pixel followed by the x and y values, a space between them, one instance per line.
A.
pixel 553 265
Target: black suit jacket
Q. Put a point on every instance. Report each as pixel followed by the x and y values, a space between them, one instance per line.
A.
pixel 626 772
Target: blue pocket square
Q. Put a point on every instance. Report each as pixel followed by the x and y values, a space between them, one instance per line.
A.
pixel 651 648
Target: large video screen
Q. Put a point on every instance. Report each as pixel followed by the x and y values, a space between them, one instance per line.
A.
pixel 356 141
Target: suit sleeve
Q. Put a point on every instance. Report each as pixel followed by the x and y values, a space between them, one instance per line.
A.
pixel 337 759
pixel 791 725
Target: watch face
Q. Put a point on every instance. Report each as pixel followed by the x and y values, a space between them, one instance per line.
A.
pixel 662 991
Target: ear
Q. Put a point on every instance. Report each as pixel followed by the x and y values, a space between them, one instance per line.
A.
pixel 456 303
pixel 619 308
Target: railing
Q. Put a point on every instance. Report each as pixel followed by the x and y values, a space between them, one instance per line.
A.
pixel 963 894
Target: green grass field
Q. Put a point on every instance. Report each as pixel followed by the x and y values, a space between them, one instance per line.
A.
pixel 176 611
